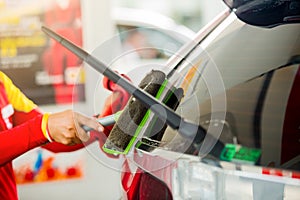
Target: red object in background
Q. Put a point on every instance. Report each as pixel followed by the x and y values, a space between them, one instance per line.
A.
pixel 50 173
pixel 71 171
pixel 141 185
pixel 130 181
pixel 296 175
pixel 279 172
pixel 153 188
pixel 64 18
pixel 29 175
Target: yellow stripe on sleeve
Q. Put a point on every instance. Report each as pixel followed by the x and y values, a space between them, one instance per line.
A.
pixel 44 126
pixel 18 100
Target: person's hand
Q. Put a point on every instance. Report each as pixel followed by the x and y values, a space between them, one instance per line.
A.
pixel 66 127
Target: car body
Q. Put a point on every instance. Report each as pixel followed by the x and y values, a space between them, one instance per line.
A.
pixel 240 76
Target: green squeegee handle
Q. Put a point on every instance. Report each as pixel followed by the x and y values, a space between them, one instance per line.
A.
pixel 186 129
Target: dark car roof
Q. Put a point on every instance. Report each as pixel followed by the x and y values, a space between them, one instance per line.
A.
pixel 268 13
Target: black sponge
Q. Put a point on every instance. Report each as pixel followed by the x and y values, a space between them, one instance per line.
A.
pixel 133 113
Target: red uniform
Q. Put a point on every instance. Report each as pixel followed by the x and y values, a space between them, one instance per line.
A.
pixel 20 130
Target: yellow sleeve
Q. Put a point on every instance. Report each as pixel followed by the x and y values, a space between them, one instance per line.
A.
pixel 18 100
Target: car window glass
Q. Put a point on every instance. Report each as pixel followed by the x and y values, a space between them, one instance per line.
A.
pixel 148 43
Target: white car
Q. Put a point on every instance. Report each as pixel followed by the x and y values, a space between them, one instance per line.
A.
pixel 240 77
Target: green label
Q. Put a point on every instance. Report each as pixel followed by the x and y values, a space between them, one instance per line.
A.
pixel 240 154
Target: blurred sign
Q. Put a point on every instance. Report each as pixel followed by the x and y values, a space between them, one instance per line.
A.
pixel 45 71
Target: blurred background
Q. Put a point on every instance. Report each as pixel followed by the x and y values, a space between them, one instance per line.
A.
pixel 193 13
pixel 56 80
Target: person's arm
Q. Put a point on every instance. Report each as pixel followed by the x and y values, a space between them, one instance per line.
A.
pixel 22 117
pixel 20 139
pixel 31 129
pixel 58 122
pixel 31 134
pixel 56 147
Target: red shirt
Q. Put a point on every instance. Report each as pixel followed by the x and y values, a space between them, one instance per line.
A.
pixel 20 131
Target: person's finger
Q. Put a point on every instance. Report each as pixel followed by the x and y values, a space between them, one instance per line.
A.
pixel 89 121
pixel 76 141
pixel 84 136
